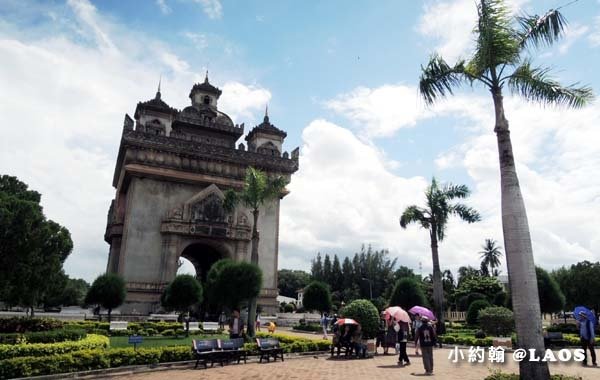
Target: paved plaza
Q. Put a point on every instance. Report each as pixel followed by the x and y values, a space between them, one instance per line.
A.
pixel 383 367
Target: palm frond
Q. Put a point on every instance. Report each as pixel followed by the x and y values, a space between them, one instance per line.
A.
pixel 456 191
pixel 535 84
pixel 231 200
pixel 438 78
pixel 275 187
pixel 541 30
pixel 414 214
pixel 497 41
pixel 468 214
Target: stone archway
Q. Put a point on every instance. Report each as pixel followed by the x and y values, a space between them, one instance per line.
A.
pixel 202 256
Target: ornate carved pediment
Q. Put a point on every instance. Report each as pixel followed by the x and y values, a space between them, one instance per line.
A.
pixel 208 210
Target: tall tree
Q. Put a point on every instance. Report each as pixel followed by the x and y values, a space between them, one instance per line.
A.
pixel 502 58
pixel 327 277
pixel 108 291
pixel 490 257
pixel 32 248
pixel 408 292
pixel 434 218
pixel 347 273
pixel 258 190
pixel 552 299
pixel 317 297
pixel 467 272
pixel 336 275
pixel 316 270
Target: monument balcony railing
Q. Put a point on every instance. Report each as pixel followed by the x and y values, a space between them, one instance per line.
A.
pixel 239 130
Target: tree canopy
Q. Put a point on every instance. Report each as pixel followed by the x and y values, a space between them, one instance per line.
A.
pixel 408 292
pixel 32 248
pixel 552 299
pixel 317 297
pixel 183 292
pixel 290 281
pixel 237 282
pixel 107 290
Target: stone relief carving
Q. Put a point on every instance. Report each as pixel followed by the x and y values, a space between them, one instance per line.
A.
pixel 209 210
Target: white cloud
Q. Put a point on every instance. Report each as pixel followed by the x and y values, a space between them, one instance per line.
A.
pixel 241 101
pixel 200 40
pixel 380 111
pixel 163 6
pixel 62 115
pixel 572 34
pixel 451 23
pixel 594 36
pixel 212 8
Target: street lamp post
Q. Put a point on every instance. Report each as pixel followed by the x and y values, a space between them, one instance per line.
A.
pixel 370 287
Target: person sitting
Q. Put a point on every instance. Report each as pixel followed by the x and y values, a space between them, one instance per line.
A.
pixel 359 348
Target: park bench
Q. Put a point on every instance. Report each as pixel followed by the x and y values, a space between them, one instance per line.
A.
pixel 118 325
pixel 554 338
pixel 205 351
pixel 269 348
pixel 194 326
pixel 210 326
pixel 233 349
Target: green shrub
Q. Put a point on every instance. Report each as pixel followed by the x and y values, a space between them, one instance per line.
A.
pixel 310 327
pixel 479 334
pixel 473 312
pixel 448 339
pixel 24 324
pixel 179 331
pixel 45 349
pixel 150 331
pixel 168 332
pixel 288 308
pixel 365 313
pixel 497 321
pixel 52 336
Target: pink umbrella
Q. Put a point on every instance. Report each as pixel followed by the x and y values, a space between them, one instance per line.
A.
pixel 398 313
pixel 422 311
pixel 346 321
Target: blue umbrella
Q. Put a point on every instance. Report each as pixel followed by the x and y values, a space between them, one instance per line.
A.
pixel 588 313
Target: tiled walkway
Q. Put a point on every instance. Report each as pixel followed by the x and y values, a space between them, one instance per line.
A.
pixel 380 367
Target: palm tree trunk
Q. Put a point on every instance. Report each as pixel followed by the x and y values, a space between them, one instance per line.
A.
pixel 438 289
pixel 519 253
pixel 253 260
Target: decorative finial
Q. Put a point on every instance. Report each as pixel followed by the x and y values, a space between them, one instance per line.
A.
pixel 206 77
pixel 158 91
pixel 266 119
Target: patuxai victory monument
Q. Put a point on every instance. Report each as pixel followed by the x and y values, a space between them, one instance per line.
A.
pixel 171 172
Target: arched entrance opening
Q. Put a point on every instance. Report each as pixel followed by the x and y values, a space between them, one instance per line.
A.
pixel 200 257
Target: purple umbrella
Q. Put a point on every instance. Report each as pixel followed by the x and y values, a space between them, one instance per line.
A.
pixel 422 311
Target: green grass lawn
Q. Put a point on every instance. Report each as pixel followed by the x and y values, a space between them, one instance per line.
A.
pixel 157 341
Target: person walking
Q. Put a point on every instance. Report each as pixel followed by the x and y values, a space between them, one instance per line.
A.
pixel 257 324
pixel 417 323
pixel 587 336
pixel 324 323
pixel 426 335
pixel 403 340
pixel 391 336
pixel 222 320
pixel 235 325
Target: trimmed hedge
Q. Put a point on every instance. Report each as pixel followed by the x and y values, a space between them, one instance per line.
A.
pixel 24 324
pixel 309 327
pixel 85 360
pixel 47 349
pixel 89 359
pixel 53 336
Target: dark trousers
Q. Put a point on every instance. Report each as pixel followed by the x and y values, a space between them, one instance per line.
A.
pixel 233 336
pixel 427 353
pixel 403 357
pixel 588 344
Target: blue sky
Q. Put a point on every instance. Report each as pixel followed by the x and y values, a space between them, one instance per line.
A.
pixel 340 77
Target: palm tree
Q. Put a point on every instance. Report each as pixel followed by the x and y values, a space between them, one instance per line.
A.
pixel 434 218
pixel 258 190
pixel 490 256
pixel 501 59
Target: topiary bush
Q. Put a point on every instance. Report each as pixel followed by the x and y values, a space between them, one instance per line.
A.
pixel 497 321
pixel 365 313
pixel 53 336
pixel 473 312
pixel 288 308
